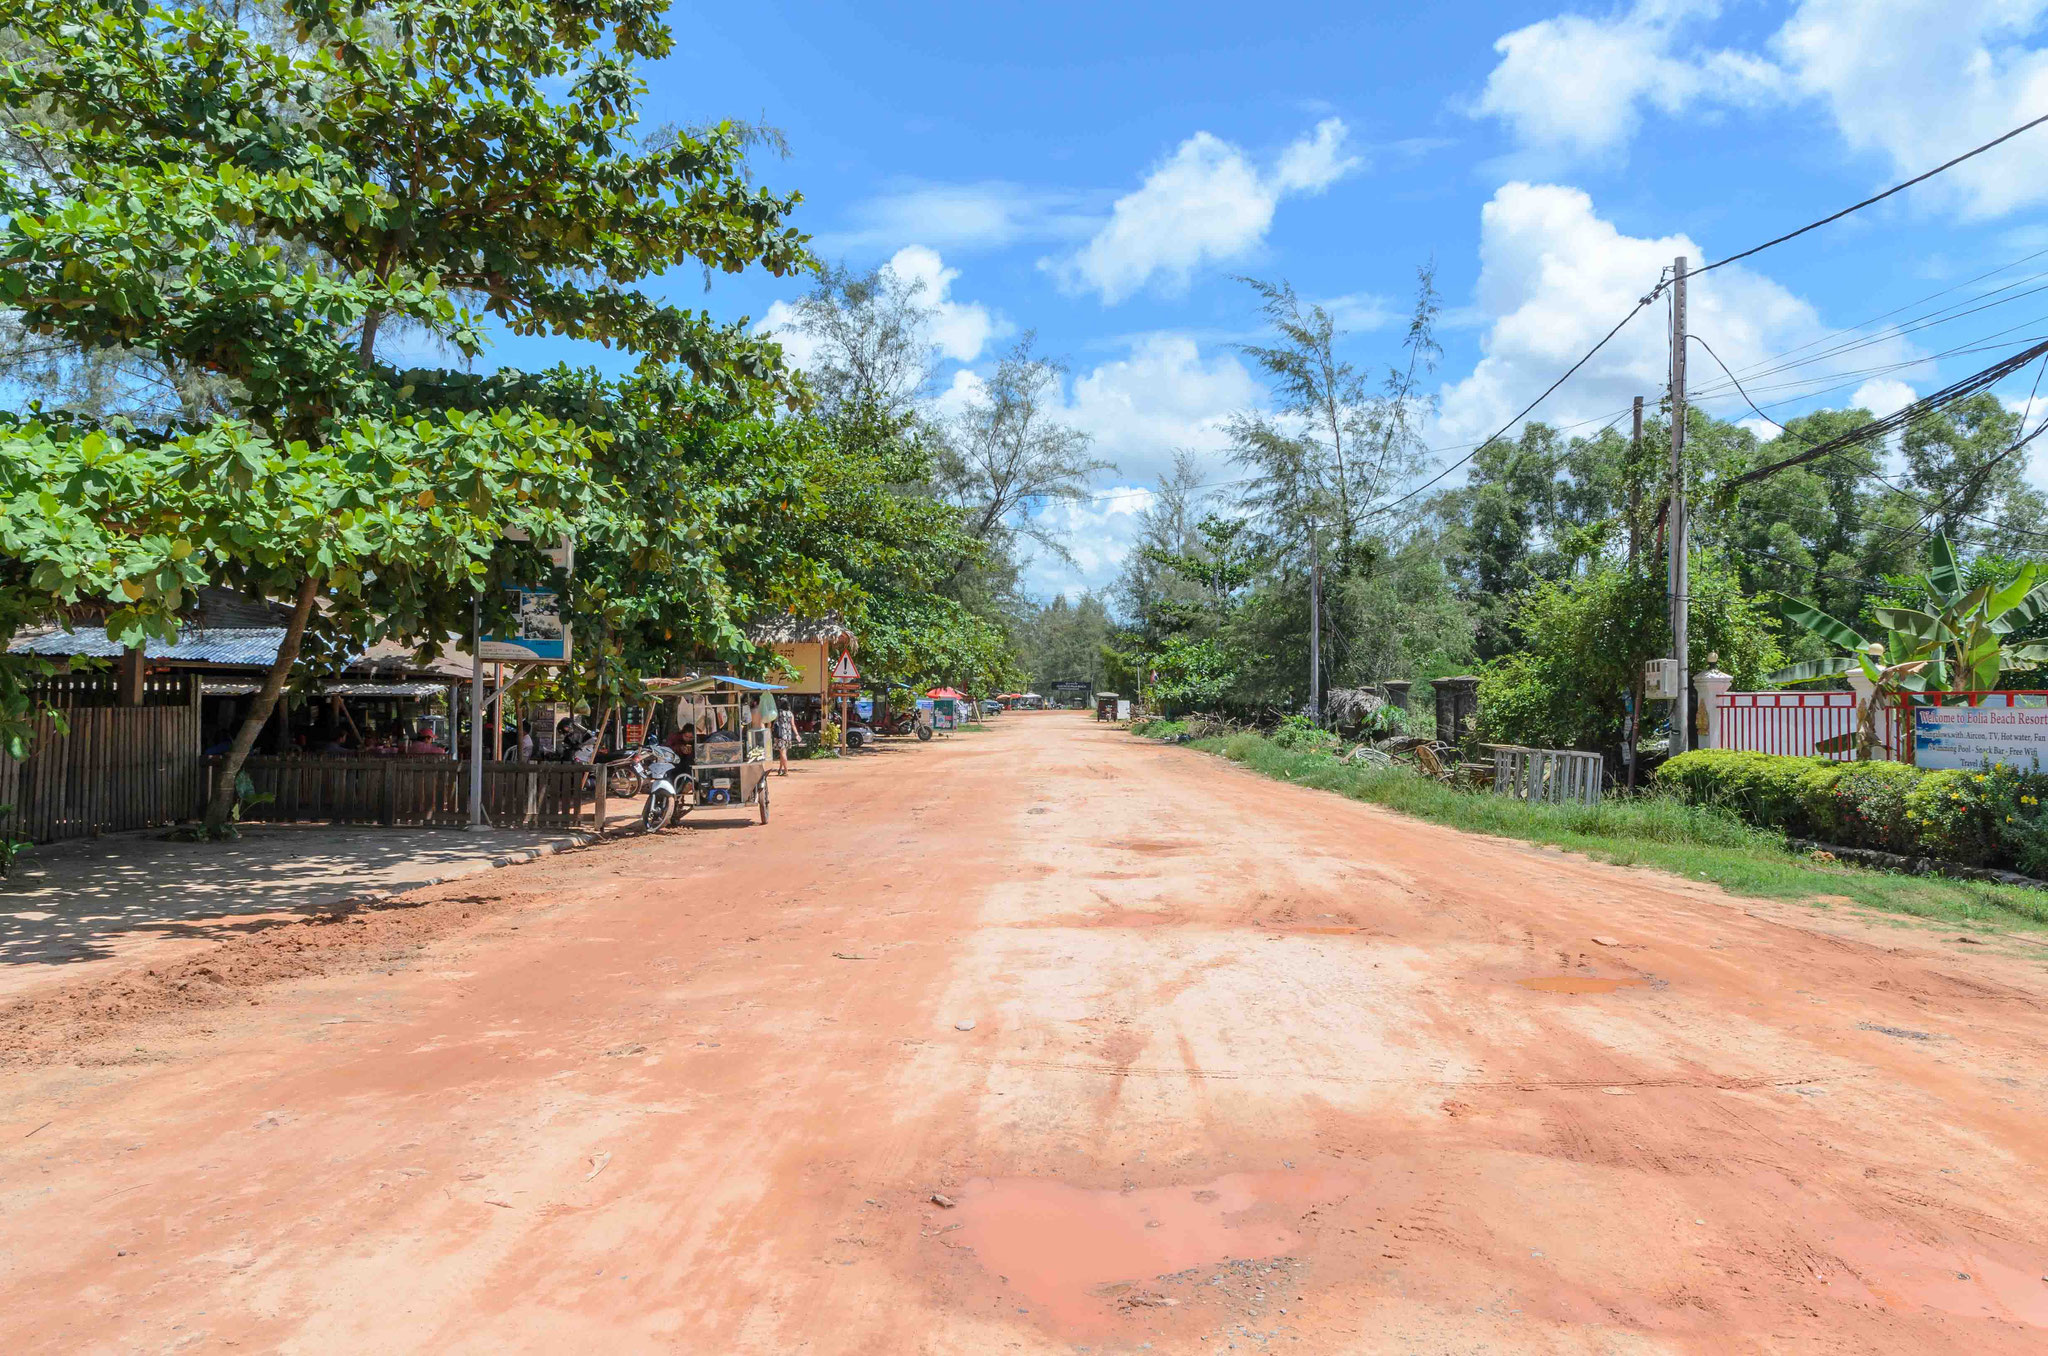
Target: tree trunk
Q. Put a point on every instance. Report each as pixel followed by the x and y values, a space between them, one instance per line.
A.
pixel 222 804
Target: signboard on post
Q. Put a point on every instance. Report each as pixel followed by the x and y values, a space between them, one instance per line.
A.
pixel 540 634
pixel 1970 736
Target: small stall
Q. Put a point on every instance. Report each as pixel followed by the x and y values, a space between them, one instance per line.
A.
pixel 732 717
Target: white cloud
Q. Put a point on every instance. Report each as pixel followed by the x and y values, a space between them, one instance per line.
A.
pixel 1357 311
pixel 1099 532
pixel 1162 396
pixel 1882 396
pixel 1575 84
pixel 1920 80
pixel 1206 203
pixel 984 215
pixel 1915 81
pixel 1554 277
pixel 960 329
pixel 798 348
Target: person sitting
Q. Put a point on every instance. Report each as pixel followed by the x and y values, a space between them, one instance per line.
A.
pixel 683 743
pixel 422 744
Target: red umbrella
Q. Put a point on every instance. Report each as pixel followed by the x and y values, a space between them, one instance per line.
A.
pixel 947 692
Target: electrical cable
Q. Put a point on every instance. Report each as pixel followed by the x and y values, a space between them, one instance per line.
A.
pixel 1635 311
pixel 1857 207
pixel 1933 507
pixel 1877 428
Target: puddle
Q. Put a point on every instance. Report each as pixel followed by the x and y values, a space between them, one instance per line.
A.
pixel 1579 984
pixel 1066 1249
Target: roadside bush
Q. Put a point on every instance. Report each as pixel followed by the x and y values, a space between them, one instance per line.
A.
pixel 1763 788
pixel 1861 804
pixel 1990 816
pixel 1299 734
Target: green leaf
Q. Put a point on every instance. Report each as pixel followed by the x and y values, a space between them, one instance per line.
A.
pixel 1814 670
pixel 1942 573
pixel 1910 622
pixel 1810 618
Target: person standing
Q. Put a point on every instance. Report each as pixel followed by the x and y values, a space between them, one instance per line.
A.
pixel 785 735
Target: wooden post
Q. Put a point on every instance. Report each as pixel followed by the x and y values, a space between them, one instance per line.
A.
pixel 603 775
pixel 128 686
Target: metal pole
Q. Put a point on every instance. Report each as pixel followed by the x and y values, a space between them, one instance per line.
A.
pixel 1315 627
pixel 476 714
pixel 1635 514
pixel 1681 583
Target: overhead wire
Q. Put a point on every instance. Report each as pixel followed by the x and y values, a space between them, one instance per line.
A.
pixel 1875 198
pixel 1852 439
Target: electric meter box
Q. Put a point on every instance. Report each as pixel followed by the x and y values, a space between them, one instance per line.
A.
pixel 1660 680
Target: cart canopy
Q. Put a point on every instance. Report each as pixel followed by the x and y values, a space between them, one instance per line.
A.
pixel 707 682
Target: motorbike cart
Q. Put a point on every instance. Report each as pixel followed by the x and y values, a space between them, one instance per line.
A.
pixel 731 764
pixel 731 773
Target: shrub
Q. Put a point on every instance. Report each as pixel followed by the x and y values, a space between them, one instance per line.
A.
pixel 1991 815
pixel 1299 734
pixel 1763 788
pixel 1862 804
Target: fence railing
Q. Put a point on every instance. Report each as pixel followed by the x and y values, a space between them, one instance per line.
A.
pixel 1787 722
pixel 1555 776
pixel 413 792
pixel 117 767
pixel 1798 723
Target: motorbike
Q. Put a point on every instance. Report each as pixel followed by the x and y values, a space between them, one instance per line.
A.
pixel 656 767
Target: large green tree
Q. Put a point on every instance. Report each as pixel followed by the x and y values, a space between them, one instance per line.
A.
pixel 264 207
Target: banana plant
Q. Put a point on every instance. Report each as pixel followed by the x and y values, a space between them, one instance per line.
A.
pixel 1959 644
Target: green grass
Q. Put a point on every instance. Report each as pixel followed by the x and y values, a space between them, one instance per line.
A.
pixel 1649 830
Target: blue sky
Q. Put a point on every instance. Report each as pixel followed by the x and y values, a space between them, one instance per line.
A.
pixel 1098 173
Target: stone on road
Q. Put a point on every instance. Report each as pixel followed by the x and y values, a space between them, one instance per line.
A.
pixel 1247 1065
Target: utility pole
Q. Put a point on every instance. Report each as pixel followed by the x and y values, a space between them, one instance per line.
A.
pixel 1635 529
pixel 1681 583
pixel 476 715
pixel 1635 497
pixel 1315 625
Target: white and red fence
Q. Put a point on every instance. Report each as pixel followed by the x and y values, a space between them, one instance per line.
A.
pixel 1798 722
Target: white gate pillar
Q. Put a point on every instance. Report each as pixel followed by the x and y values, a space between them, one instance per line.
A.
pixel 1711 687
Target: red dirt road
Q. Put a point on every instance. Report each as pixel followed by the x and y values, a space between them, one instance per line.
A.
pixel 1249 1066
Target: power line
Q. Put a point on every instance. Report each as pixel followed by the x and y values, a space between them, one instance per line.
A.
pixel 1877 428
pixel 1633 313
pixel 1857 207
pixel 1843 443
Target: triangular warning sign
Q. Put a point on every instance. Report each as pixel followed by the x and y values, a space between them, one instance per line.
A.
pixel 843 670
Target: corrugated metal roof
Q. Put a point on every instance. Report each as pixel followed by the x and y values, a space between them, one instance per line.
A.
pixel 254 646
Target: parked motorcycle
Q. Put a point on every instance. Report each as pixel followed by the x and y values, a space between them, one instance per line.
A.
pixel 656 766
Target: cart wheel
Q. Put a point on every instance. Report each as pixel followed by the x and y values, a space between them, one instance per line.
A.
pixel 764 800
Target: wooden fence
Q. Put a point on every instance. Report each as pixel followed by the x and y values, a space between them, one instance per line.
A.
pixel 118 767
pixel 410 791
pixel 1558 776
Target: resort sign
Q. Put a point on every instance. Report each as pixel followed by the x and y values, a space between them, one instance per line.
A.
pixel 1970 736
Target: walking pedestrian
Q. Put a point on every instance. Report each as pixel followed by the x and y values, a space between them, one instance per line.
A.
pixel 785 735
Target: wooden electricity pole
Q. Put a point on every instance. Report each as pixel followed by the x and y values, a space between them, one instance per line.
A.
pixel 1680 582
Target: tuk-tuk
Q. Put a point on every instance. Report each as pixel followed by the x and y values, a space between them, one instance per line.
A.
pixel 731 771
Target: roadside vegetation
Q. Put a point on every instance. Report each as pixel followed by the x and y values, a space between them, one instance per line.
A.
pixel 1702 842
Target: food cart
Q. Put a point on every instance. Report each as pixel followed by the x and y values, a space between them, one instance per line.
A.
pixel 731 771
